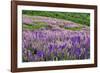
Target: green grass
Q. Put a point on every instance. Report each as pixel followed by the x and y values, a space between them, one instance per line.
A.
pixel 41 25
pixel 71 28
pixel 81 18
pixel 74 29
pixel 33 27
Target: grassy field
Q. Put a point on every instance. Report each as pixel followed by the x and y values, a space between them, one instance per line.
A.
pixel 81 18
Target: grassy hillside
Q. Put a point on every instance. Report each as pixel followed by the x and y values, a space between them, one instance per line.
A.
pixel 81 18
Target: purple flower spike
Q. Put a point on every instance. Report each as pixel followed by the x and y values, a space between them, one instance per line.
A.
pixel 77 52
pixel 51 47
pixel 63 46
pixel 40 53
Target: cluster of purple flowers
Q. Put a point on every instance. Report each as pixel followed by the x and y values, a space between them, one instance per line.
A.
pixel 55 44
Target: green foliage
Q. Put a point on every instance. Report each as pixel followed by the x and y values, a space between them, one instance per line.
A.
pixel 74 29
pixel 81 18
pixel 31 27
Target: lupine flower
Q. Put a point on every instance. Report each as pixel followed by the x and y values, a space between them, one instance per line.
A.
pixel 77 52
pixel 40 53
